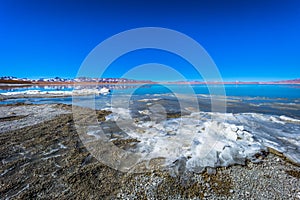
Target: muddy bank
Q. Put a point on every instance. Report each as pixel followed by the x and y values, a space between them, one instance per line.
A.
pixel 48 160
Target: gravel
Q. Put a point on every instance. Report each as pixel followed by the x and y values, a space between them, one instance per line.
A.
pixel 42 157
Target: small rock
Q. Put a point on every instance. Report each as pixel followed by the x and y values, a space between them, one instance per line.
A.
pixel 206 194
pixel 211 171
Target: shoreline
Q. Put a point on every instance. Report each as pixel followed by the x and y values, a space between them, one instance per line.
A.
pixel 47 159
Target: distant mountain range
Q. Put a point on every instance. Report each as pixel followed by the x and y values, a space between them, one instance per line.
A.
pixel 295 81
pixel 58 80
pixel 86 80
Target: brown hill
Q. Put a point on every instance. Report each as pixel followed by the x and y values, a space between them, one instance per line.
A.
pixel 15 82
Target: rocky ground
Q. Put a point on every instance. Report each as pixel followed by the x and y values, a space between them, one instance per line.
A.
pixel 43 157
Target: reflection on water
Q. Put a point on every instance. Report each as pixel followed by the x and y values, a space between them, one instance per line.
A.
pixel 20 88
pixel 11 87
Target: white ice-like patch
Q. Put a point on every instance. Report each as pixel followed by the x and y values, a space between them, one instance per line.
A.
pixel 103 91
pixel 37 92
pixel 289 119
pixel 30 115
pixel 146 100
pixel 214 139
pixel 94 132
pixel 144 112
pixel 62 146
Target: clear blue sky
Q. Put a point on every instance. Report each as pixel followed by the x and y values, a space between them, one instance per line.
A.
pixel 248 40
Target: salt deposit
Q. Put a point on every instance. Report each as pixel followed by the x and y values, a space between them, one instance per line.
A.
pixel 213 139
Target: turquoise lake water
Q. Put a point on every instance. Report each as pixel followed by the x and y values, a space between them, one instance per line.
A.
pixel 267 91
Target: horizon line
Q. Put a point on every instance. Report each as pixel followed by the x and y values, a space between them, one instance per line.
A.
pixel 60 79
